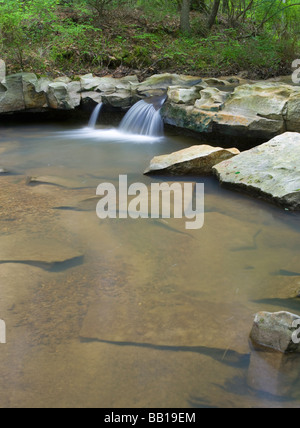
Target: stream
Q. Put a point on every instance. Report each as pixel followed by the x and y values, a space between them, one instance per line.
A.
pixel 134 313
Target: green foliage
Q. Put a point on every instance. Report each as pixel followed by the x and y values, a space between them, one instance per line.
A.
pixel 72 36
pixel 99 6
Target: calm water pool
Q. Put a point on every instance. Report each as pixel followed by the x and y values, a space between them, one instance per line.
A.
pixel 134 313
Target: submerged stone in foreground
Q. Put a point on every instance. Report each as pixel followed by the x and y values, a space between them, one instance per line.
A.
pixel 270 171
pixel 196 160
pixel 276 331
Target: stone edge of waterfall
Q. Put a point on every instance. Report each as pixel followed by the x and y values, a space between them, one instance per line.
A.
pixel 207 107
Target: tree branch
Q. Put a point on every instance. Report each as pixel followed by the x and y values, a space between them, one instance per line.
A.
pixel 276 13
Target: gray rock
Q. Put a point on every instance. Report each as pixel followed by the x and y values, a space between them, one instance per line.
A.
pixel 121 99
pixel 11 94
pixel 2 70
pixel 196 160
pixel 260 110
pixel 270 171
pixel 293 112
pixel 211 99
pixel 34 94
pixel 89 82
pixel 63 79
pixel 60 98
pixel 111 85
pixel 74 89
pixel 211 81
pixel 115 92
pixel 91 96
pixel 179 95
pixel 107 84
pixel 42 84
pixel 268 100
pixel 221 122
pixel 275 331
pixel 164 81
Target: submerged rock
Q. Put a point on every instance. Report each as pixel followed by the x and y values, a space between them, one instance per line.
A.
pixel 56 181
pixel 275 331
pixel 273 373
pixel 196 160
pixel 172 320
pixel 26 249
pixel 270 171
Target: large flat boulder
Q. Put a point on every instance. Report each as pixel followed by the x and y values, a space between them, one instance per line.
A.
pixel 196 160
pixel 21 248
pixel 212 120
pixel 260 110
pixel 265 99
pixel 161 82
pixel 270 171
pixel 141 318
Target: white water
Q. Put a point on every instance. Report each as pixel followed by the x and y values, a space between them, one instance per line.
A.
pixel 95 115
pixel 111 134
pixel 143 119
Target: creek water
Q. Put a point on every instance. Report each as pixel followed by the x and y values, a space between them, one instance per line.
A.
pixel 134 313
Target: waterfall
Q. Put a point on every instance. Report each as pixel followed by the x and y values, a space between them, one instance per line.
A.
pixel 144 118
pixel 94 116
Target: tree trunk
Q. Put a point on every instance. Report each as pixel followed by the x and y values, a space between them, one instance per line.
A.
pixel 202 6
pixel 214 13
pixel 225 6
pixel 199 5
pixel 185 16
